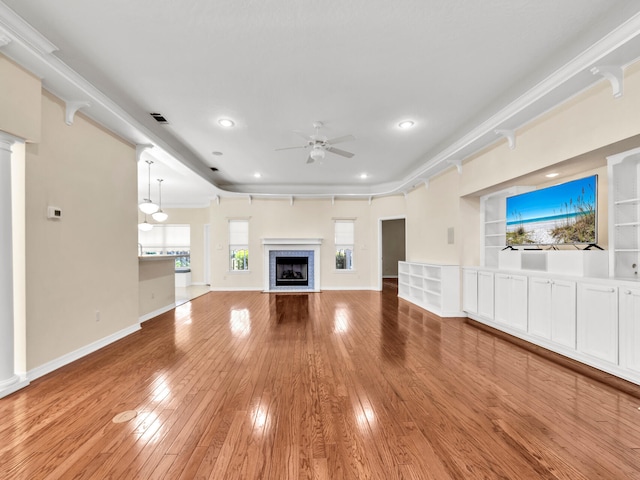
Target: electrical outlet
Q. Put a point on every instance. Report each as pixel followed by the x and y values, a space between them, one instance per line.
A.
pixel 97 315
pixel 153 295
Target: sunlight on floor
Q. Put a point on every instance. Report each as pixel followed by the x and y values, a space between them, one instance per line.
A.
pixel 184 294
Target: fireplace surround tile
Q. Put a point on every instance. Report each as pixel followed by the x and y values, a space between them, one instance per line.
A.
pixel 291 253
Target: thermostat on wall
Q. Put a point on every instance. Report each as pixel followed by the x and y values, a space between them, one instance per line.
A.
pixel 54 213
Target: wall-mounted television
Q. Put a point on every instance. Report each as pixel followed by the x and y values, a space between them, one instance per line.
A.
pixel 564 214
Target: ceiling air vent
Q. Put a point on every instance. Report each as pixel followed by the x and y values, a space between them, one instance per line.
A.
pixel 159 118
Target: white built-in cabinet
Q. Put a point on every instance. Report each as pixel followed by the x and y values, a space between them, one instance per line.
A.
pixel 629 314
pixel 593 320
pixel 433 287
pixel 552 310
pixel 511 298
pixel 598 321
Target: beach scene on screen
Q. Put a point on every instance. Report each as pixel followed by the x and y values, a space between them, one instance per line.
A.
pixel 557 215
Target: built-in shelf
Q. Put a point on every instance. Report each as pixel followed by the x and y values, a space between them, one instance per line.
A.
pixel 493 224
pixel 433 287
pixel 624 213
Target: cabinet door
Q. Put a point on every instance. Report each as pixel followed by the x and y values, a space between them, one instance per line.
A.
pixel 518 300
pixel 540 307
pixel 598 321
pixel 485 294
pixel 630 328
pixel 511 300
pixel 563 313
pixel 502 302
pixel 470 291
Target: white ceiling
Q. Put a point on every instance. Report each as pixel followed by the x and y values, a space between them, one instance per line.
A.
pixel 458 68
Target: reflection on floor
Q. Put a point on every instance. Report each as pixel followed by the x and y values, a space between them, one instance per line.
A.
pixel 185 294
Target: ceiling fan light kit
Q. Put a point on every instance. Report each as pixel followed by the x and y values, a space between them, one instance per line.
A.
pixel 319 145
pixel 317 153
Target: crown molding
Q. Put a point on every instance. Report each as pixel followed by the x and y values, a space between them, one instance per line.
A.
pixel 30 49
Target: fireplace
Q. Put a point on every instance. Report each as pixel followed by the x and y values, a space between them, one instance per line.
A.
pixel 291 264
pixel 292 271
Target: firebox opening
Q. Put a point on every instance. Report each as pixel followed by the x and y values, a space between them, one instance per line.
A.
pixel 292 271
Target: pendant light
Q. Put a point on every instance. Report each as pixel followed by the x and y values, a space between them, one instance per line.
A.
pixel 160 216
pixel 147 206
pixel 145 226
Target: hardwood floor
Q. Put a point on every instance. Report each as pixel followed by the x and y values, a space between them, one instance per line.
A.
pixel 332 385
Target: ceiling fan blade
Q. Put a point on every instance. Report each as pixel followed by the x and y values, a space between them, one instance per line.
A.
pixel 337 151
pixel 346 138
pixel 290 148
pixel 310 160
pixel 306 137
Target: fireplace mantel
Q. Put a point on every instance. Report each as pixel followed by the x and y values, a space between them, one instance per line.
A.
pixel 289 246
pixel 291 241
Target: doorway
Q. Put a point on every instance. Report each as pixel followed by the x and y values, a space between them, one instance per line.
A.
pixel 392 235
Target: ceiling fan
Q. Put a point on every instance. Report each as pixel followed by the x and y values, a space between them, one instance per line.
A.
pixel 319 144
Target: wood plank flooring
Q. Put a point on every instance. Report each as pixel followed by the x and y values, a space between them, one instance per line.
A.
pixel 331 385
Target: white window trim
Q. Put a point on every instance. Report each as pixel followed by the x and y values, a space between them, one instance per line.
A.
pixel 237 246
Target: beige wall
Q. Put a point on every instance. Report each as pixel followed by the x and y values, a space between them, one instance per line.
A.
pixel 589 127
pixel 431 211
pixel 156 284
pixel 303 219
pixel 87 261
pixel 19 101
pixel 589 121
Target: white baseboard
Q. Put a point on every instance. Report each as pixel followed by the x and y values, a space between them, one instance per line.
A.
pixel 350 288
pixel 199 284
pixel 157 312
pixel 21 381
pixel 235 289
pixel 241 289
pixel 79 353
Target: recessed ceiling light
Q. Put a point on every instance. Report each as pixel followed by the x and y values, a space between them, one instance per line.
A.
pixel 216 153
pixel 551 175
pixel 363 176
pixel 257 174
pixel 406 124
pixel 226 122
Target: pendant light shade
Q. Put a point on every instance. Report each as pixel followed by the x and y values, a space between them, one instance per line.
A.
pixel 160 216
pixel 145 226
pixel 147 206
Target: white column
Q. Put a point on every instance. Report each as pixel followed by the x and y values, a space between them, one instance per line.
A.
pixel 8 378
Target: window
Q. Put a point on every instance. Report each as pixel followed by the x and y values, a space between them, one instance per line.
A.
pixel 167 240
pixel 344 239
pixel 239 245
